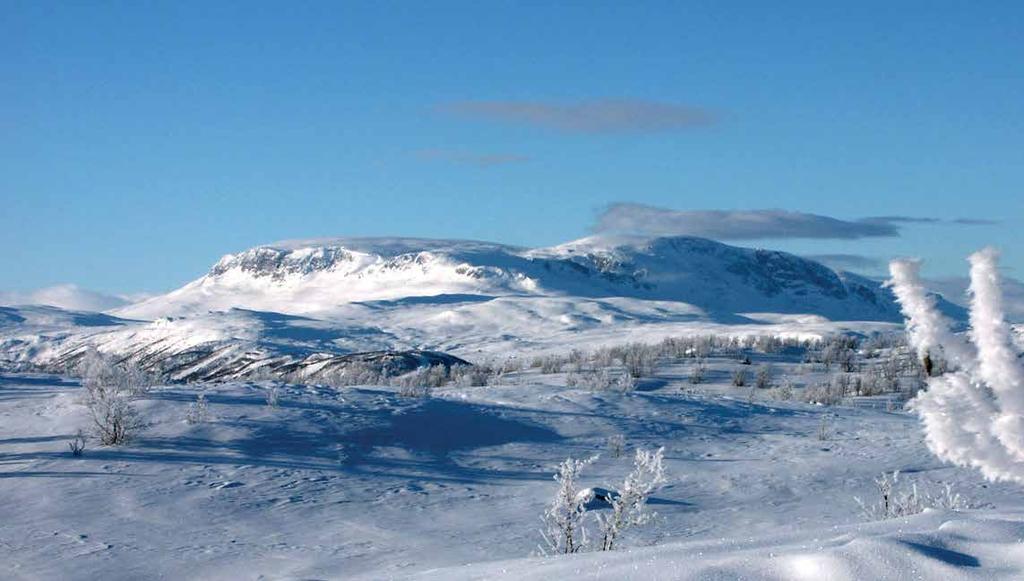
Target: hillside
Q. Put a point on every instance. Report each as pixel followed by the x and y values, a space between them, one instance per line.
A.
pixel 294 305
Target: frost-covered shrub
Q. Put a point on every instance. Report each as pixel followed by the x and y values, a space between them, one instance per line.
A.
pixel 198 411
pixel 739 377
pixel 471 375
pixel 871 385
pixel 638 359
pixel 109 390
pixel 420 382
pixel 898 498
pixel 841 383
pixel 353 373
pixel 839 350
pixel 604 357
pixel 511 365
pixel 822 394
pixel 885 375
pixel 629 505
pixel 564 529
pixel 77 444
pixel 273 396
pixel 697 372
pixel 616 444
pixel 763 379
pixel 784 392
pixel 825 427
pixel 548 364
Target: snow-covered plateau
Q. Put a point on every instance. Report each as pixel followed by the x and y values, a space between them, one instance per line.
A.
pixel 276 306
pixel 398 409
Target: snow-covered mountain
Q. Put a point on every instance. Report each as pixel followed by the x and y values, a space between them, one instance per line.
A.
pixel 322 276
pixel 293 304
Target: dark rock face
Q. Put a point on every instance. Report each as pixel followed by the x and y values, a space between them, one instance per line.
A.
pixel 277 262
pixel 225 361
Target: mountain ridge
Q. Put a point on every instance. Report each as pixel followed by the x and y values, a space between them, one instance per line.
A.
pixel 318 275
pixel 296 304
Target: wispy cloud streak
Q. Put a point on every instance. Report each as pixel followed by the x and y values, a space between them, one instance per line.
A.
pixel 596 116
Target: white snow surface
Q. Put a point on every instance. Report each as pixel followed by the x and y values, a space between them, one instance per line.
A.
pixel 359 483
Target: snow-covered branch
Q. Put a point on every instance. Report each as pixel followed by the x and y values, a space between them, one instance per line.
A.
pixel 974 414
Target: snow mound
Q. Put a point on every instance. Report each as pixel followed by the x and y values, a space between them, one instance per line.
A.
pixel 932 545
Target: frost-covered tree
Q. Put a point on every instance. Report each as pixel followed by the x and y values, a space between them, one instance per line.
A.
pixel 109 391
pixel 973 415
pixel 564 527
pixel 629 506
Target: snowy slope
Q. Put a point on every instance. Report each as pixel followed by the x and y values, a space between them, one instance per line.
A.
pixel 284 303
pixel 318 276
pixel 361 483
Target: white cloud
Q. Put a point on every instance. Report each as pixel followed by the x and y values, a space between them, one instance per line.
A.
pixel 592 116
pixel 763 224
pixel 737 224
pixel 855 262
pixel 66 296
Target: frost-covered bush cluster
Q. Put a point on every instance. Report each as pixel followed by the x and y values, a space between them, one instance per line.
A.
pixel 837 350
pixel 110 389
pixel 198 411
pixel 354 373
pixel 641 359
pixel 638 359
pixel 549 364
pixel 471 375
pixel 600 380
pixel 418 382
pixel 823 394
pixel 566 522
pixel 973 415
pixel 899 498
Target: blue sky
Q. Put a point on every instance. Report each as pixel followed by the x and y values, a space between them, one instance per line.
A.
pixel 144 140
